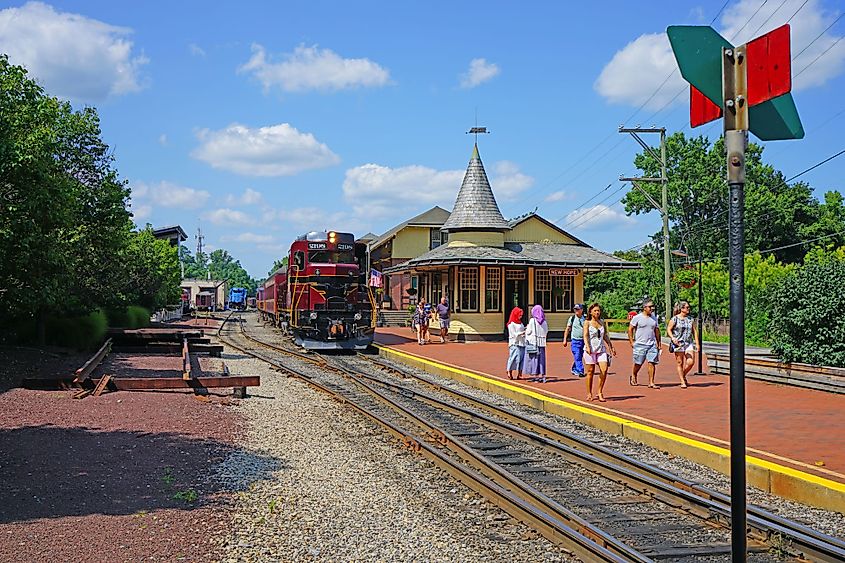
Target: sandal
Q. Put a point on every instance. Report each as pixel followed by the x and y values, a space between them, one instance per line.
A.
pixel 589 397
pixel 652 386
pixel 632 381
pixel 602 399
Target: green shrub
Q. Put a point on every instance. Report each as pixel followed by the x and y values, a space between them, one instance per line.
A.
pixel 807 324
pixel 82 333
pixel 130 317
pixel 139 317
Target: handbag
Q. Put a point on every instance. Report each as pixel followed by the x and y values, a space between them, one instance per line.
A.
pixel 531 348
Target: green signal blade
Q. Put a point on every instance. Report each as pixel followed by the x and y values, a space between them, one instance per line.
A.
pixel 776 119
pixel 698 51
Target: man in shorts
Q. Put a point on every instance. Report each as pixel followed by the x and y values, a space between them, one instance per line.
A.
pixel 644 336
pixel 443 313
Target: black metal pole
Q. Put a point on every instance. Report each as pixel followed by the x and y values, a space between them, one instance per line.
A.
pixel 700 317
pixel 735 145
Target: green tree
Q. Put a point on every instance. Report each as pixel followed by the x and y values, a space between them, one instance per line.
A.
pixel 151 267
pixel 277 264
pixel 224 267
pixel 776 212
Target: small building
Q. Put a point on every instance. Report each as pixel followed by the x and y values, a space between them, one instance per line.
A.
pixel 486 265
pixel 174 234
pixel 193 287
pixel 405 241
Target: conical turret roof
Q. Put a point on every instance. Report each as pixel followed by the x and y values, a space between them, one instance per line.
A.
pixel 475 208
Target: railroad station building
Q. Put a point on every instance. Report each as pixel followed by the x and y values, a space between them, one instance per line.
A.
pixel 485 265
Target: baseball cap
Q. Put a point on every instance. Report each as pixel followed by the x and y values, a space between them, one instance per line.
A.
pixel 577 306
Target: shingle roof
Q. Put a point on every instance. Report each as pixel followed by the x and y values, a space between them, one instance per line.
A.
pixel 434 217
pixel 518 254
pixel 475 207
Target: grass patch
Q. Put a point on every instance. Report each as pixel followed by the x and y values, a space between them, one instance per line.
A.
pixel 189 495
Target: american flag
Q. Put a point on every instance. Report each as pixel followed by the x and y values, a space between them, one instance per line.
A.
pixel 375 278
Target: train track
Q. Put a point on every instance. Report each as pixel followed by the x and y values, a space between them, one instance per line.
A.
pixel 618 508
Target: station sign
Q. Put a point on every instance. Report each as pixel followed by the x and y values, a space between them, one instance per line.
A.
pixel 560 272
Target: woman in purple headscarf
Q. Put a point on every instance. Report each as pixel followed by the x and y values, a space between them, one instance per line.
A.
pixel 535 344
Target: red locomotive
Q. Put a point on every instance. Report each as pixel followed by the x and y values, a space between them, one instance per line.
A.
pixel 321 296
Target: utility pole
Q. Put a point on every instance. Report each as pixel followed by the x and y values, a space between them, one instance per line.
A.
pixel 663 208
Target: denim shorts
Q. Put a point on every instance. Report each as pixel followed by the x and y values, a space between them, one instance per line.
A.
pixel 643 352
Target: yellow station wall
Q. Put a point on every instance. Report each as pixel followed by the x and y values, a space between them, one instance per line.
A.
pixel 534 230
pixel 411 242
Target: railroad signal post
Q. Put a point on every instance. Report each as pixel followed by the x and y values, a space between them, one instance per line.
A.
pixel 749 85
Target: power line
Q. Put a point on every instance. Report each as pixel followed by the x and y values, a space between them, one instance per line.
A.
pixel 823 53
pixel 769 18
pixel 801 7
pixel 818 36
pixel 757 11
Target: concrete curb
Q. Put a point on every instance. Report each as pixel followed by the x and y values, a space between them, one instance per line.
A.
pixel 771 477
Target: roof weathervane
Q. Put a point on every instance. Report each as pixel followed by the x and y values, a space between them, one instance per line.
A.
pixel 475 131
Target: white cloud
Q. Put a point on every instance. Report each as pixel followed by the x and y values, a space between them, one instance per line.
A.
pixel 810 21
pixel 479 72
pixel 595 217
pixel 507 181
pixel 140 212
pixel 162 139
pixel 249 197
pixel 196 50
pixel 72 56
pixel 250 238
pixel 560 195
pixel 275 150
pixel 637 70
pixel 226 216
pixel 380 191
pixel 168 194
pixel 311 68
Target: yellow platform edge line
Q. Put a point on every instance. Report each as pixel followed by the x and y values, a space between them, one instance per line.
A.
pixel 833 486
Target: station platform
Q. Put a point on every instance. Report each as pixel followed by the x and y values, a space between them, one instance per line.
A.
pixel 795 437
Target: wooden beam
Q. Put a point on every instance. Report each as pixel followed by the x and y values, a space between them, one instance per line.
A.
pixel 85 371
pixel 148 383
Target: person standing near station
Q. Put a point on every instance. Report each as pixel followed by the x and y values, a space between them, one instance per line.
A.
pixel 645 343
pixel 445 316
pixel 684 336
pixel 596 341
pixel 575 333
pixel 421 322
pixel 535 343
pixel 516 343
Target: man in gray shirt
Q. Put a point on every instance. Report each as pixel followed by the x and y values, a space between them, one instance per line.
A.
pixel 646 344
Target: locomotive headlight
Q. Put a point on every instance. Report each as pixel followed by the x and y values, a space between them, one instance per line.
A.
pixel 313 316
pixel 317 272
pixel 357 316
pixel 332 236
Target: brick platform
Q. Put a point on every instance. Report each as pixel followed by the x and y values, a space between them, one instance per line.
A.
pixel 789 426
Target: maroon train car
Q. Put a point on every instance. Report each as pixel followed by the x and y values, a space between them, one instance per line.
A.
pixel 321 296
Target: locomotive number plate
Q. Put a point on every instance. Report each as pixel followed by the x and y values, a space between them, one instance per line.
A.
pixel 316 246
pixel 344 246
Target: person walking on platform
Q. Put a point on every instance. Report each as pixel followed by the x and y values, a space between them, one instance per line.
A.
pixel 516 343
pixel 445 316
pixel 596 342
pixel 535 343
pixel 644 336
pixel 684 338
pixel 427 312
pixel 421 322
pixel 575 333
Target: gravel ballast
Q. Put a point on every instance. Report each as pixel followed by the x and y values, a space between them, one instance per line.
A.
pixel 344 490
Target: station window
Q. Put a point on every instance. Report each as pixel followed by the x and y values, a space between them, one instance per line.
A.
pixel 469 289
pixel 493 290
pixel 543 289
pixel 435 239
pixel 564 294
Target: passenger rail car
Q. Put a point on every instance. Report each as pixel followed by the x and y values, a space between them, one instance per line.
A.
pixel 321 296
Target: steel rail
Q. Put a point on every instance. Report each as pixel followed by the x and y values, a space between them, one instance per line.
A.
pixel 587 541
pixel 663 485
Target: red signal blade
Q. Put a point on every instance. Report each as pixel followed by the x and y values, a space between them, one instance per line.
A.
pixel 769 69
pixel 701 109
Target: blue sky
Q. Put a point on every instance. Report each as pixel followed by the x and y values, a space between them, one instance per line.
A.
pixel 261 121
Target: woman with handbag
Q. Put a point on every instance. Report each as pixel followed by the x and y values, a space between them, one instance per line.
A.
pixel 535 343
pixel 684 336
pixel 596 344
pixel 516 343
